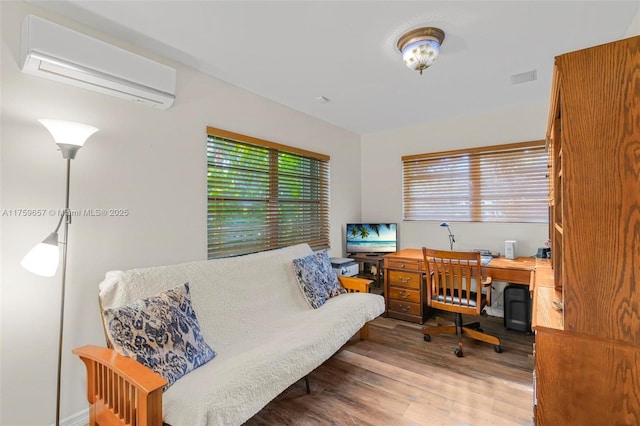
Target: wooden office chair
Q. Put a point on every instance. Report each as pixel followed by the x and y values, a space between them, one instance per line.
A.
pixel 449 278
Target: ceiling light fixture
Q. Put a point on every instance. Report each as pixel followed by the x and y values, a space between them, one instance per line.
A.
pixel 420 47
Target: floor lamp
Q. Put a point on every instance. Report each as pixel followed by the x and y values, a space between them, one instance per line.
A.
pixel 452 238
pixel 44 258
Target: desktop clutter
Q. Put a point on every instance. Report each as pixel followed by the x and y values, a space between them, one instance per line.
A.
pixel 510 273
pixel 344 266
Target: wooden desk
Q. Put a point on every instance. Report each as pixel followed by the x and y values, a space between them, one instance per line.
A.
pixel 404 291
pixel 544 294
pixel 517 271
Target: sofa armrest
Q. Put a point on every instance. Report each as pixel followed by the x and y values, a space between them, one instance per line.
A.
pixel 120 390
pixel 353 284
pixel 357 285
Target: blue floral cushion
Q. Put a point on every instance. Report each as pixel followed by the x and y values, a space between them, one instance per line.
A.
pixel 317 279
pixel 161 332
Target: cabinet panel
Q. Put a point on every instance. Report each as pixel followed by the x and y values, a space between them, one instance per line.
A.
pixel 580 381
pixel 599 90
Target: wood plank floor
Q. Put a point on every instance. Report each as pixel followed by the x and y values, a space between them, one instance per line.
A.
pixel 396 378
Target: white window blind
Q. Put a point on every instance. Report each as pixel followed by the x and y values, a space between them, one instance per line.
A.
pixel 263 195
pixel 502 183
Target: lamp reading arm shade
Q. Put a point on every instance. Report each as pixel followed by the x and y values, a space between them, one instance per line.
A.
pixel 44 258
pixel 446 225
pixel 452 238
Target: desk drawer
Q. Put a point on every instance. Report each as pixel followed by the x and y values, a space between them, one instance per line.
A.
pixel 410 264
pixel 519 276
pixel 404 307
pixel 403 294
pixel 404 279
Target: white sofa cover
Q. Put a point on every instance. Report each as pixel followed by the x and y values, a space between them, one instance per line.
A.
pixel 253 314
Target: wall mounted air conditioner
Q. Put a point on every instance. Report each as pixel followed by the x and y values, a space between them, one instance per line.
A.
pixel 52 51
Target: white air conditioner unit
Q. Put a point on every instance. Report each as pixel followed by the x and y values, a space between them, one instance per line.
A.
pixel 52 51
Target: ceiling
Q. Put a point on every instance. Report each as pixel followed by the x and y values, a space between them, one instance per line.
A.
pixel 293 52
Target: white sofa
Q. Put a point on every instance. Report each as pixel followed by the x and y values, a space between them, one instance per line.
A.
pixel 252 312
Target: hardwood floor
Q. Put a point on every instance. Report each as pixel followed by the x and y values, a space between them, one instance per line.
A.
pixel 396 378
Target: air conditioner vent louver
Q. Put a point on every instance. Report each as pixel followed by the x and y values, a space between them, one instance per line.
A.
pixel 58 53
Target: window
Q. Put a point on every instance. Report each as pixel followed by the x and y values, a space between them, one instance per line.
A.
pixel 503 183
pixel 263 195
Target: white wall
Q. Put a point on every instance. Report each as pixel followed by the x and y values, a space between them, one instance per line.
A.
pixel 148 161
pixel 634 27
pixel 382 177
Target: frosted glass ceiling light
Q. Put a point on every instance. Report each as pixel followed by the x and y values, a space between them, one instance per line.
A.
pixel 420 47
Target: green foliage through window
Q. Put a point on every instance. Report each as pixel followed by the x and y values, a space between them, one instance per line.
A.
pixel 261 197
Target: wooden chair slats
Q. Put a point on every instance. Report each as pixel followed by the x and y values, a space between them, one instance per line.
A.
pixel 451 276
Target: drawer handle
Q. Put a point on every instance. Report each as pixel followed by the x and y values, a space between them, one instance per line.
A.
pixel 405 280
pixel 403 294
pixel 403 266
pixel 404 308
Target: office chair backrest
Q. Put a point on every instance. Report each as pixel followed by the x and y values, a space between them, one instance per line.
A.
pixel 449 281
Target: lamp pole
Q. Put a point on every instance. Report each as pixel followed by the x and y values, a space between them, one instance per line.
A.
pixel 66 216
pixel 43 259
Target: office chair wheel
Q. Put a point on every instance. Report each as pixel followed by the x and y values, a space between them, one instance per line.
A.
pixel 427 337
pixel 497 348
pixel 458 353
pixel 484 313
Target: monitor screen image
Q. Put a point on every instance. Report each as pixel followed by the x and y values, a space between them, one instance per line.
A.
pixel 371 237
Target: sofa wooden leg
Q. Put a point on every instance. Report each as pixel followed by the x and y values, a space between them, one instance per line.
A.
pixel 364 332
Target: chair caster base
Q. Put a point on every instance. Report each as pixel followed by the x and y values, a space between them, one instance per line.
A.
pixel 458 353
pixel 497 348
pixel 427 337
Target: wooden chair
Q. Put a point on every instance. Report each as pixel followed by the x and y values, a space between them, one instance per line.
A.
pixel 449 279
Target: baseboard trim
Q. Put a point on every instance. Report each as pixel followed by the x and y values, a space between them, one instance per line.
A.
pixel 78 419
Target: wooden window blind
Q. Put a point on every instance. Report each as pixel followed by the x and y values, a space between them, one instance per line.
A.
pixel 263 195
pixel 502 183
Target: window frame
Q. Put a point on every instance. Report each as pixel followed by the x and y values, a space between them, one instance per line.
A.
pixel 419 185
pixel 288 203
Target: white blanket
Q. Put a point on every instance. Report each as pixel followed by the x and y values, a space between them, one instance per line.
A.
pixel 253 314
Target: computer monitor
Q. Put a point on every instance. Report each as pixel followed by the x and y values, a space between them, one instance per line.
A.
pixel 371 238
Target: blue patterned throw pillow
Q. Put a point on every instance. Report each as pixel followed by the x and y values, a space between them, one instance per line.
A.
pixel 317 279
pixel 161 332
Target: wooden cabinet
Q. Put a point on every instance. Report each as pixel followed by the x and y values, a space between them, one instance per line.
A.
pixel 587 364
pixel 403 285
pixel 554 139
